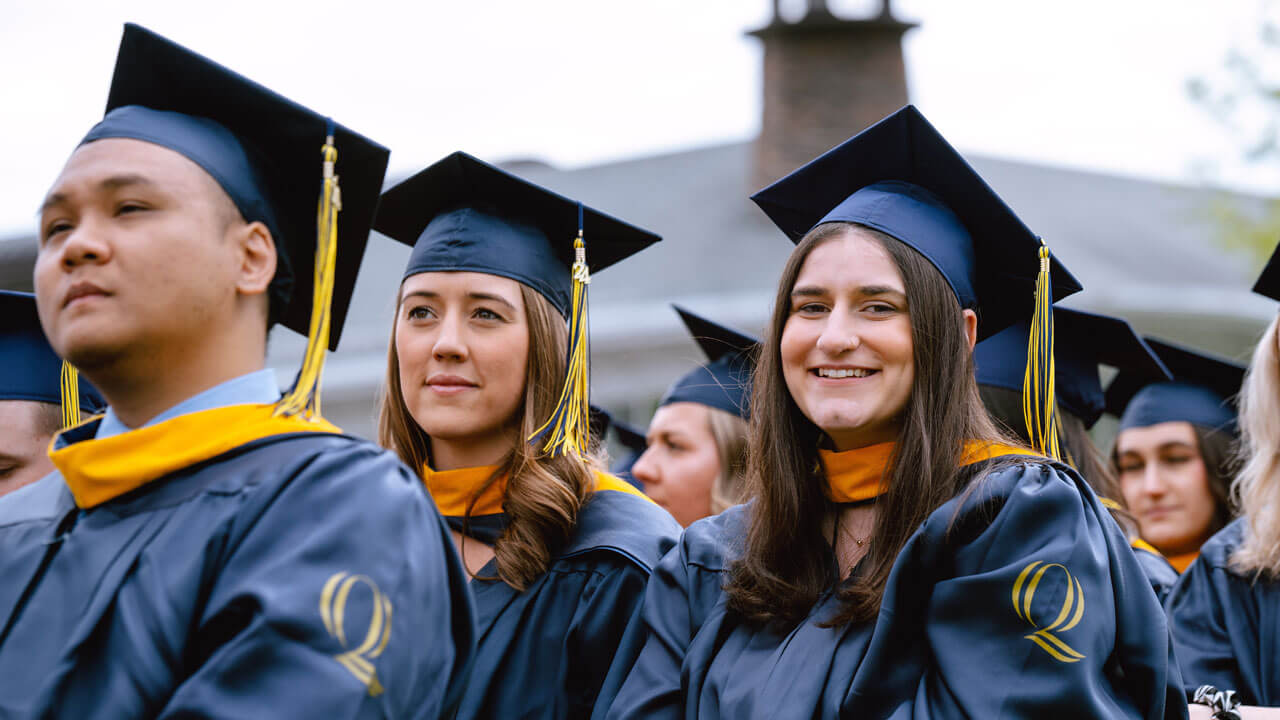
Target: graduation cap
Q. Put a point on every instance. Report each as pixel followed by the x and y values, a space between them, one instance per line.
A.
pixel 1202 391
pixel 1083 341
pixel 462 214
pixel 724 382
pixel 902 178
pixel 1268 283
pixel 32 370
pixel 279 163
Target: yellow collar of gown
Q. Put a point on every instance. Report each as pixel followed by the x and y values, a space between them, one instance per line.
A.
pixel 857 475
pixel 453 490
pixel 1183 561
pixel 97 471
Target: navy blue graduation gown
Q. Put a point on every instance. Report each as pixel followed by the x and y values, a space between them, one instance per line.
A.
pixel 299 575
pixel 548 652
pixel 1226 625
pixel 1160 573
pixel 1034 607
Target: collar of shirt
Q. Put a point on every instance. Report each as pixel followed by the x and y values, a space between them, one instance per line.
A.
pixel 258 387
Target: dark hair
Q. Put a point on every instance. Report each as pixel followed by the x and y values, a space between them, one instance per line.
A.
pixel 1218 448
pixel 1078 449
pixel 786 564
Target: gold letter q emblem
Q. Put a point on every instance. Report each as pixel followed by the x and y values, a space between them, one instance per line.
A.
pixel 333 607
pixel 1072 610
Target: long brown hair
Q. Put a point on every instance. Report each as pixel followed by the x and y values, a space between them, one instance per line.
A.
pixel 787 563
pixel 544 493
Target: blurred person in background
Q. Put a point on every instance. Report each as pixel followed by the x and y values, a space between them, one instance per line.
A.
pixel 1175 451
pixel 1225 610
pixel 32 394
pixel 697 439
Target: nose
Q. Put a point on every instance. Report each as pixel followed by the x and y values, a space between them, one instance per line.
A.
pixel 839 334
pixel 1152 481
pixel 449 344
pixel 646 468
pixel 84 245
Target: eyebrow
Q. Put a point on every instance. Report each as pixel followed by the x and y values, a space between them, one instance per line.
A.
pixel 816 291
pixel 115 182
pixel 471 296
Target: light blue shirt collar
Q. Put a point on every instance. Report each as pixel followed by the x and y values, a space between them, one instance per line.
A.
pixel 255 388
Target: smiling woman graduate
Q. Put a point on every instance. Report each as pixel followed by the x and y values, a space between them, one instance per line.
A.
pixel 208 548
pixel 487 397
pixel 898 559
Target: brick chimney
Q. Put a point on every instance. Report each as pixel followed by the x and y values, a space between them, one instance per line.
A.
pixel 825 78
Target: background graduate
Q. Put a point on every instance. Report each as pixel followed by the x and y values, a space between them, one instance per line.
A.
pixel 487 397
pixel 697 439
pixel 1082 342
pixel 897 560
pixel 32 407
pixel 1225 610
pixel 209 548
pixel 1175 452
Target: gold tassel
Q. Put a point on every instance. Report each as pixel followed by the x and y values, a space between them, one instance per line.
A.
pixel 304 397
pixel 70 396
pixel 1039 405
pixel 567 430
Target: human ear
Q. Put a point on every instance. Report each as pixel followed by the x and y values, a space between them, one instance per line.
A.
pixel 970 327
pixel 257 258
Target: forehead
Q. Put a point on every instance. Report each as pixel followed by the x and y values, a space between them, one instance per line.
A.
pixel 23 419
pixel 460 284
pixel 850 260
pixel 680 416
pixel 98 162
pixel 1137 439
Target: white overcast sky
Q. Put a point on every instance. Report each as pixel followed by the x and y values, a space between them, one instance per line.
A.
pixel 1091 83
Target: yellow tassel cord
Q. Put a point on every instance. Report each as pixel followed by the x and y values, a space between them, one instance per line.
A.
pixel 70 396
pixel 303 399
pixel 567 430
pixel 1039 405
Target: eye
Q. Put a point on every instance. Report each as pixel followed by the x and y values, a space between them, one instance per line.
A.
pixel 1130 466
pixel 486 314
pixel 128 207
pixel 1177 459
pixel 54 228
pixel 419 312
pixel 880 308
pixel 811 308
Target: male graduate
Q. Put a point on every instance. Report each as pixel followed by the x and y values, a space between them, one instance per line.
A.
pixel 31 394
pixel 208 548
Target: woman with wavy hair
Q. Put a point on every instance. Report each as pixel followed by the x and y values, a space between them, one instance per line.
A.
pixel 486 396
pixel 697 440
pixel 899 558
pixel 1225 611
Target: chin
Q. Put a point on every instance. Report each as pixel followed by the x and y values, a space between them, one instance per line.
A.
pixel 92 351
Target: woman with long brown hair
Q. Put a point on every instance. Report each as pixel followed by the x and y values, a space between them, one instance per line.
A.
pixel 1175 452
pixel 1082 342
pixel 486 397
pixel 1225 611
pixel 697 440
pixel 898 559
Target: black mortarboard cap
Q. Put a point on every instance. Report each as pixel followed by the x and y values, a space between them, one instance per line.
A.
pixel 1202 392
pixel 902 178
pixel 263 149
pixel 462 214
pixel 724 382
pixel 32 370
pixel 1082 342
pixel 1268 283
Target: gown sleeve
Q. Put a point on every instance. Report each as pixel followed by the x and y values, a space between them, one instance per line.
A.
pixel 1215 623
pixel 682 588
pixel 1038 608
pixel 338 594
